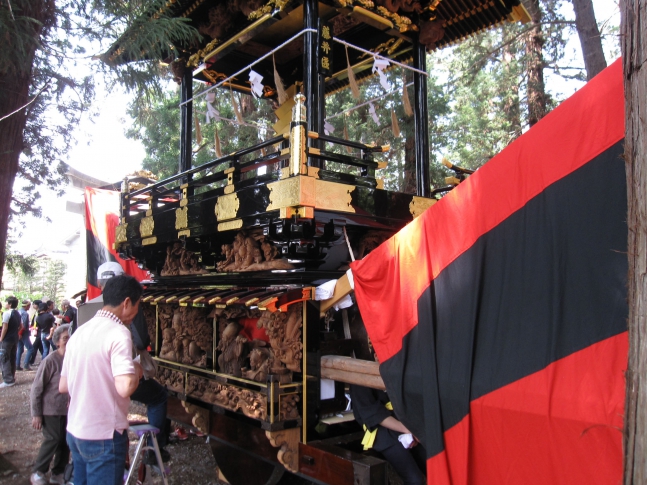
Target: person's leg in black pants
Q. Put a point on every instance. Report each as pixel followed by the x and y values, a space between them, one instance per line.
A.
pixel 154 396
pixel 405 464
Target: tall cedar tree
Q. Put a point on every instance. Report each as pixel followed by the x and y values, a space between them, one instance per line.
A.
pixel 590 40
pixel 42 94
pixel 536 88
pixel 633 26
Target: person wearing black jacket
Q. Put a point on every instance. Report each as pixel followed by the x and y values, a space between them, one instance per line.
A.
pixel 44 322
pixel 37 344
pixel 372 409
pixel 9 342
pixel 69 314
pixel 150 392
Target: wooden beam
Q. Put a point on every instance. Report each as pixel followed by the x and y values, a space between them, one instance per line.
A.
pixel 352 371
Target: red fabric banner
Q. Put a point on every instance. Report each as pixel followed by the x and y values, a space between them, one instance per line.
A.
pixel 101 218
pixel 499 315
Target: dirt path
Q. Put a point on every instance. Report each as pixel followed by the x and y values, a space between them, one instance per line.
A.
pixel 191 460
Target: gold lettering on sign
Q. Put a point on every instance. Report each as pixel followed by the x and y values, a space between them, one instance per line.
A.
pixel 181 218
pixel 420 204
pixel 227 207
pixel 146 226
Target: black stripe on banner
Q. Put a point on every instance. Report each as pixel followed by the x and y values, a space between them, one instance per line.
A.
pixel 97 255
pixel 548 281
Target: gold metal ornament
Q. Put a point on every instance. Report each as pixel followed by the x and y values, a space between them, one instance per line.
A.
pixel 120 233
pixel 333 196
pixel 230 225
pixel 181 218
pixel 146 226
pixel 420 204
pixel 227 207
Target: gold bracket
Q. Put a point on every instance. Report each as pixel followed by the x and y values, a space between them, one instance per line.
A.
pixel 120 233
pixel 227 207
pixel 181 218
pixel 230 225
pixel 146 226
pixel 420 204
pixel 299 212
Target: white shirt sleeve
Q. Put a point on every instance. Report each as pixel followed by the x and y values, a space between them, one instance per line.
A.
pixel 121 356
pixel 6 316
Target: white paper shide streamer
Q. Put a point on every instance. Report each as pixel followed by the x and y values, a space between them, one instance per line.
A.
pixel 379 66
pixel 212 112
pixel 328 128
pixel 371 111
pixel 255 80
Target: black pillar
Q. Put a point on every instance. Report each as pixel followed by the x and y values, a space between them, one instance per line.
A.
pixel 420 121
pixel 310 74
pixel 186 120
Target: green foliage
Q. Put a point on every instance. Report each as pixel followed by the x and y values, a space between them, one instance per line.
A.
pixel 158 128
pixel 49 43
pixel 36 278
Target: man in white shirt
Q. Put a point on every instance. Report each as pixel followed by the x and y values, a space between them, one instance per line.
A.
pixel 100 375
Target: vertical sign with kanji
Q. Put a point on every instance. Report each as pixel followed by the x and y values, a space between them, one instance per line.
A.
pixel 325 49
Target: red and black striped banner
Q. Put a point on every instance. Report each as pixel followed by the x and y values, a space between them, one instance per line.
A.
pixel 101 218
pixel 499 315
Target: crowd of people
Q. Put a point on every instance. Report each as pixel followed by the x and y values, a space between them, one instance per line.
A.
pixel 85 379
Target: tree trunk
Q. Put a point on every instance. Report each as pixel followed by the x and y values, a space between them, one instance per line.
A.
pixel 511 108
pixel 590 40
pixel 536 91
pixel 409 185
pixel 633 27
pixel 15 81
pixel 13 94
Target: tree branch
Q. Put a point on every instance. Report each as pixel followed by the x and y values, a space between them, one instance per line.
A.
pixel 25 106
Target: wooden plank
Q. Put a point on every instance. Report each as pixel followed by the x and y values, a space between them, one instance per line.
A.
pixel 374 382
pixel 349 364
pixel 342 288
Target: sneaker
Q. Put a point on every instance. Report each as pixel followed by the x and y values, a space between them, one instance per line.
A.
pixel 18 368
pixel 38 478
pixel 6 384
pixel 27 368
pixel 151 459
pixel 181 434
pixel 57 479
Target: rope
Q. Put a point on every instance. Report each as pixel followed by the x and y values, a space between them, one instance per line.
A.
pixel 373 54
pixel 350 250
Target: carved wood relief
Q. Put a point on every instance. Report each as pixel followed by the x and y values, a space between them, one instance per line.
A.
pixel 289 408
pixel 180 261
pixel 150 317
pixel 187 334
pixel 250 403
pixel 251 252
pixel 284 332
pixel 287 440
pixel 171 379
